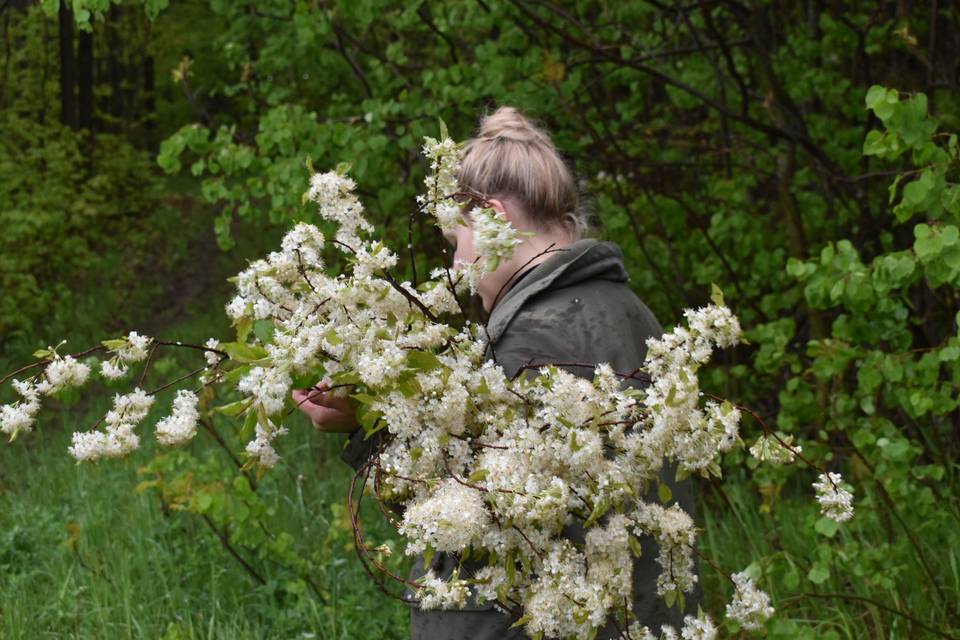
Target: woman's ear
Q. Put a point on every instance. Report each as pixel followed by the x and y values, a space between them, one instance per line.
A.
pixel 501 209
pixel 497 205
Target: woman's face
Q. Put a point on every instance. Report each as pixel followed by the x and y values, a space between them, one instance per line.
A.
pixel 461 240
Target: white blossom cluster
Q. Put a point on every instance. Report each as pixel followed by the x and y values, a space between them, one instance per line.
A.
pixel 261 447
pixel 117 439
pixel 59 373
pixel 180 426
pixel 835 502
pixel 437 593
pixel 441 184
pixel 493 236
pixel 18 417
pixel 126 351
pixel 333 191
pixel 776 450
pixel 681 430
pixel 212 357
pixel 480 461
pixel 750 606
pixel 452 518
pixel 694 628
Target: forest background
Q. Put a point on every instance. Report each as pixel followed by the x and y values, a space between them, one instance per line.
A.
pixel 148 149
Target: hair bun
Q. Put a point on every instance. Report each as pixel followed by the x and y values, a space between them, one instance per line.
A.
pixel 506 123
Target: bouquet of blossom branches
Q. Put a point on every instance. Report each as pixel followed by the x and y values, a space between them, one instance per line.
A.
pixel 485 466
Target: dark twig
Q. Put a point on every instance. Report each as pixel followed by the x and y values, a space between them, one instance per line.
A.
pixel 849 596
pixel 224 538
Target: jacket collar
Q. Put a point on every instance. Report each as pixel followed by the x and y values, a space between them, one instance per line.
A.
pixel 583 260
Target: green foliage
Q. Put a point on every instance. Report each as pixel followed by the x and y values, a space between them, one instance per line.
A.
pixel 891 402
pixel 86 221
pixel 719 142
pixel 81 555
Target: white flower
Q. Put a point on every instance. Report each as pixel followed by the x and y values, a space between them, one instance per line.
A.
pixel 674 531
pixel 449 215
pixel 769 449
pixel 441 182
pixel 268 386
pixel 61 373
pixel 442 594
pixel 488 579
pixel 136 348
pixel 640 632
pixel 749 606
pixel 181 425
pixel 835 502
pixel 699 628
pixel 333 192
pixel 88 445
pixel 212 357
pixel 117 439
pixel 238 307
pixel 19 417
pixel 261 447
pixel 494 237
pixel 448 519
pixel 113 369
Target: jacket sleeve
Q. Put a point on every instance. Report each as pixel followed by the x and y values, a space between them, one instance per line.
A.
pixel 357 449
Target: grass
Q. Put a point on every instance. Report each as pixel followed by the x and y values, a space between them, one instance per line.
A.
pixel 862 579
pixel 82 555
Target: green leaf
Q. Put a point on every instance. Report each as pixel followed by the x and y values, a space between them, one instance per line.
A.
pixel 423 361
pixel 818 574
pixel 244 352
pixel 234 409
pixel 244 326
pixel 826 526
pixel 479 475
pixel 521 621
pixel 203 502
pixel 664 493
pixel 791 580
pixel 242 486
pixel 716 295
pixel 264 330
pixel 598 512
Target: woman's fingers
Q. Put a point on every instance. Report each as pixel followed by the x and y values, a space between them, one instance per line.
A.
pixel 328 412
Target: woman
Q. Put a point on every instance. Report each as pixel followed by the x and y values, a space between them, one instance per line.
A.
pixel 560 299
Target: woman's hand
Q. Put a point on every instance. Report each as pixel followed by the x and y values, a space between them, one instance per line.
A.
pixel 328 412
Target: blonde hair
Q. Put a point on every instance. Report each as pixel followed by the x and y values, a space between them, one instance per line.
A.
pixel 511 157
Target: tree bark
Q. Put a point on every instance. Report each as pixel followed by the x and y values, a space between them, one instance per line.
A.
pixel 149 99
pixel 115 66
pixel 85 80
pixel 68 68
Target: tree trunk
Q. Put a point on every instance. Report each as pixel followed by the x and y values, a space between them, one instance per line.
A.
pixel 149 100
pixel 68 68
pixel 85 80
pixel 115 66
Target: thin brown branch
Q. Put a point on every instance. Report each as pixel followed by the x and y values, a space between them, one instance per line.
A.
pixel 224 538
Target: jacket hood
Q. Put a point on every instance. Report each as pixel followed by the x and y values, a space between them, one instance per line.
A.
pixel 581 261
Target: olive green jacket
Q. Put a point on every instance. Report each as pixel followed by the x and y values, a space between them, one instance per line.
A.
pixel 575 308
